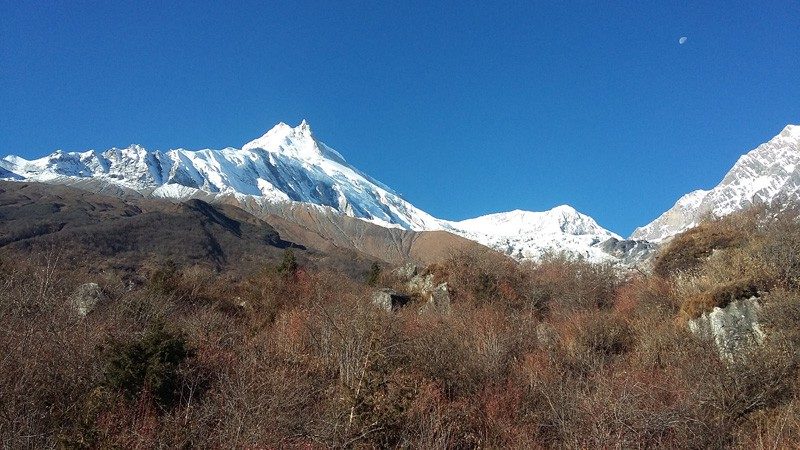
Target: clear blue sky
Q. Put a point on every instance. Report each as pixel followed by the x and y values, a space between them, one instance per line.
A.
pixel 464 108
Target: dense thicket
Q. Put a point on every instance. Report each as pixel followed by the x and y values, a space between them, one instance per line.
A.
pixel 554 354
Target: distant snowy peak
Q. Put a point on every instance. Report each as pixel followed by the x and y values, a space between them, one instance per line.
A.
pixel 561 219
pixel 531 235
pixel 769 173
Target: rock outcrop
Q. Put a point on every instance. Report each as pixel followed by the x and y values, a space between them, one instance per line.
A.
pixel 434 297
pixel 629 252
pixel 86 298
pixel 438 300
pixel 389 299
pixel 734 328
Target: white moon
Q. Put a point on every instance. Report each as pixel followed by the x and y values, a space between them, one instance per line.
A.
pixel 682 40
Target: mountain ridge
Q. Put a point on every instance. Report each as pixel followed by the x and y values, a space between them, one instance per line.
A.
pixel 288 164
pixel 766 174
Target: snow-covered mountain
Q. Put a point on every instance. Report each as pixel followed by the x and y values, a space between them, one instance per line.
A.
pixel 285 164
pixel 530 235
pixel 288 164
pixel 769 173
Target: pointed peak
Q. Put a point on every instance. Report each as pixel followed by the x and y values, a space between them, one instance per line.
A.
pixel 566 209
pixel 297 141
pixel 283 131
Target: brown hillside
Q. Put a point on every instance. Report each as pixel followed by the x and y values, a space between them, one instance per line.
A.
pixel 98 231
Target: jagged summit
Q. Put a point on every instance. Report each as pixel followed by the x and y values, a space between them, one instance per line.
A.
pixel 296 141
pixel 289 164
pixel 766 174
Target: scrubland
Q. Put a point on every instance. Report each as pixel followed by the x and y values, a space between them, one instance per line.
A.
pixel 558 353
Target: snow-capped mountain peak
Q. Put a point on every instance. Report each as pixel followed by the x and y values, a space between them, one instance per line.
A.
pixel 768 173
pixel 563 218
pixel 285 164
pixel 288 164
pixel 530 235
pixel 297 142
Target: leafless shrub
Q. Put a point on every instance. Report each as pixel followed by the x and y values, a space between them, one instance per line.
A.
pixel 554 354
pixel 570 285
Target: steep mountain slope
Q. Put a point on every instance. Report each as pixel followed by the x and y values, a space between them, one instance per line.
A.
pixel 288 173
pixel 122 229
pixel 324 228
pixel 769 173
pixel 285 164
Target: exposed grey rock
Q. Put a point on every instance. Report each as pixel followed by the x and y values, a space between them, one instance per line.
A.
pixel 769 174
pixel 436 296
pixel 406 271
pixel 629 252
pixel 86 298
pixel 438 300
pixel 734 328
pixel 421 284
pixel 389 299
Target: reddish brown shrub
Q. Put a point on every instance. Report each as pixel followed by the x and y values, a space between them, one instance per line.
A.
pixel 568 285
pixel 688 250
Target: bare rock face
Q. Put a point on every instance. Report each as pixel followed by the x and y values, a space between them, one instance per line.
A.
pixel 734 328
pixel 406 271
pixel 87 297
pixel 436 296
pixel 389 299
pixel 438 300
pixel 421 284
pixel 628 251
pixel 769 174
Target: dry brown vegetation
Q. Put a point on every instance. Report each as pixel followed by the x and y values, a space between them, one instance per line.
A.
pixel 553 354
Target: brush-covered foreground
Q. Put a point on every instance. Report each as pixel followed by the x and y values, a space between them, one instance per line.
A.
pixel 554 354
